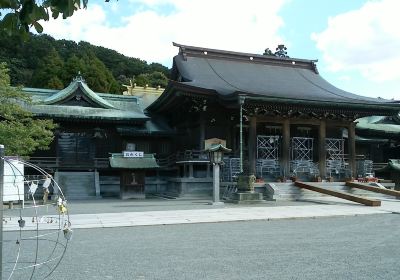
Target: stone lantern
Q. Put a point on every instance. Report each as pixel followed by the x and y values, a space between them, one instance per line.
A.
pixel 215 153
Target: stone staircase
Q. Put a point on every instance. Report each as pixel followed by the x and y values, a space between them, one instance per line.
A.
pixel 288 191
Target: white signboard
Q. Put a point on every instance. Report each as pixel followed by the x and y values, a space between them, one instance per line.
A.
pixel 133 154
pixel 13 181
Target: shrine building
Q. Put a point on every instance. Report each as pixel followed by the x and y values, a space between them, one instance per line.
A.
pixel 278 115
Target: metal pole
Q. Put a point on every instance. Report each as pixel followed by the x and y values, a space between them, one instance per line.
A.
pixel 1 207
pixel 241 101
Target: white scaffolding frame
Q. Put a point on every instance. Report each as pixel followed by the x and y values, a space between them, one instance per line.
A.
pixel 335 164
pixel 302 148
pixel 267 163
pixel 301 151
pixel 230 169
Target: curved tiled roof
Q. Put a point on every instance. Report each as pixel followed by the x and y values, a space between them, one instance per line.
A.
pixel 66 93
pixel 229 73
pixel 104 106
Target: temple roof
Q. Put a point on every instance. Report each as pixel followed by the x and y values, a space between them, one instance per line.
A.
pixel 69 92
pixel 79 102
pixel 379 125
pixel 228 75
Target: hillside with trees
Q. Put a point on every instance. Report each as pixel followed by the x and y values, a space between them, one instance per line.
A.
pixel 43 62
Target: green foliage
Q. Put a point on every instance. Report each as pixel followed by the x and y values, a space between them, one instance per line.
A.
pixel 19 132
pixel 44 62
pixel 23 14
pixel 49 72
pixel 97 75
pixel 154 79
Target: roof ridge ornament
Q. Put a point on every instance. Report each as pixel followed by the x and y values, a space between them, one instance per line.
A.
pixel 281 51
pixel 78 78
pixel 314 67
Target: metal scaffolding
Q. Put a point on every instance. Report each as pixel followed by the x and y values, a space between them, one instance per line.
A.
pixel 301 151
pixel 365 168
pixel 268 156
pixel 230 169
pixel 302 148
pixel 335 164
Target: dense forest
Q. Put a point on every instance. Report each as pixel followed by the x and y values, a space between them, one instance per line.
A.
pixel 44 62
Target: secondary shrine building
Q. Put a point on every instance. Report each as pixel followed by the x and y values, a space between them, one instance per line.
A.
pixel 278 115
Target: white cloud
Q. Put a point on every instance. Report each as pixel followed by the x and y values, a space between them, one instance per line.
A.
pixel 249 26
pixel 366 40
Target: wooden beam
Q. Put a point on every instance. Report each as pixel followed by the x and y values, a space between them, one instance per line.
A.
pixel 339 194
pixel 294 120
pixel 373 189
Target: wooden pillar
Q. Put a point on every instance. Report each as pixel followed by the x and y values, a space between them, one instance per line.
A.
pixel 285 148
pixel 202 128
pixel 252 145
pixel 352 148
pixel 322 149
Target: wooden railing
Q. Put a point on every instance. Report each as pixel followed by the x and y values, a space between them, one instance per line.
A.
pixel 57 162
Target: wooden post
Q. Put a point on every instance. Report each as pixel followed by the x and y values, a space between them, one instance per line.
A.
pixel 252 145
pixel 241 103
pixel 285 147
pixel 202 127
pixel 352 148
pixel 322 149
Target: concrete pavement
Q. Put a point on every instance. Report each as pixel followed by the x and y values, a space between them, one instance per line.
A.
pixel 166 214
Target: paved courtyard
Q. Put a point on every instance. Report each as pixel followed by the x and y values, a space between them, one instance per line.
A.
pixel 320 238
pixel 362 247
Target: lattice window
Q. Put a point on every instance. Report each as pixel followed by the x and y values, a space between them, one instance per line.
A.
pixel 301 148
pixel 268 147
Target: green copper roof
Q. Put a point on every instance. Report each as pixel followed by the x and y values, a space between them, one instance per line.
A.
pixel 78 102
pixel 66 93
pixel 146 162
pixel 393 165
pixel 379 124
pixel 86 113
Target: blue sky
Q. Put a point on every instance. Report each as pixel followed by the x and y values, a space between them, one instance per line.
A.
pixel 356 42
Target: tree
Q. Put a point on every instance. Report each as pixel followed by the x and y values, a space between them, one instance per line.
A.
pixel 72 67
pixel 49 72
pixel 96 74
pixel 154 79
pixel 27 13
pixel 19 131
pixel 24 14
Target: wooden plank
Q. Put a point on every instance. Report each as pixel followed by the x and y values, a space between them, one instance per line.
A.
pixel 373 189
pixel 339 194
